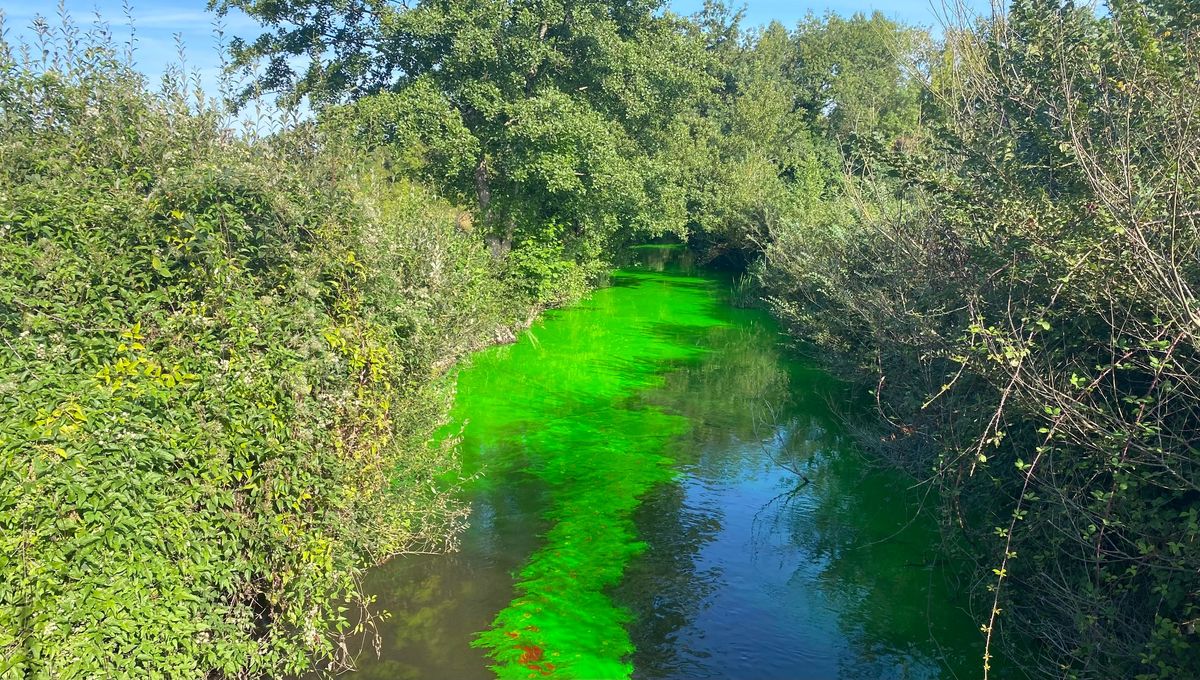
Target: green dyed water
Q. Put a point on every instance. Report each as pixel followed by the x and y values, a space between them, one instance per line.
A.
pixel 640 510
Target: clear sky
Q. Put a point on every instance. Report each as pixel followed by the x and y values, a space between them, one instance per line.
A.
pixel 157 21
pixel 155 25
pixel 928 13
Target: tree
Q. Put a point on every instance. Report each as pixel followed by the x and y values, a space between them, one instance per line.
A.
pixel 563 106
pixel 856 76
pixel 748 156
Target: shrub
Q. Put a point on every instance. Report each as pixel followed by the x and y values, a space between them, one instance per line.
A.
pixel 220 368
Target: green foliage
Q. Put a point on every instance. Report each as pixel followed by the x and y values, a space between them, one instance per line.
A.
pixel 763 149
pixel 545 276
pixel 421 134
pixel 1018 292
pixel 219 370
pixel 559 106
pixel 859 76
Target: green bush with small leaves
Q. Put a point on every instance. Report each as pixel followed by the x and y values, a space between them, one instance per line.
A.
pixel 220 365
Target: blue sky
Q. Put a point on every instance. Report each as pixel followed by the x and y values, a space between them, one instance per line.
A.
pixel 929 13
pixel 157 21
pixel 155 25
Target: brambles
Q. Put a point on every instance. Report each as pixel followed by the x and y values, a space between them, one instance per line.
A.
pixel 220 366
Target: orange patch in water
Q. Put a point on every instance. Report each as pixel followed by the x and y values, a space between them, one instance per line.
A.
pixel 530 654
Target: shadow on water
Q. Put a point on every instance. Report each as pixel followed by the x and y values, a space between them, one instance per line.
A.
pixel 643 511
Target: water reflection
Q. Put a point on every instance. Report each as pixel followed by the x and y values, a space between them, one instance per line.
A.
pixel 439 603
pixel 752 571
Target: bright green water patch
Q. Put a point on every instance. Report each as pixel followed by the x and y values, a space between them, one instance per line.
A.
pixel 569 421
pixel 639 510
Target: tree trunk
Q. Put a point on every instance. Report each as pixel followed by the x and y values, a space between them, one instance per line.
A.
pixel 498 244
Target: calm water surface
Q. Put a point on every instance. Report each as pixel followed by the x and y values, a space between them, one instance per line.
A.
pixel 640 510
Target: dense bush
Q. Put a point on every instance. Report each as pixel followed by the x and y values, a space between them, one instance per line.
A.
pixel 219 370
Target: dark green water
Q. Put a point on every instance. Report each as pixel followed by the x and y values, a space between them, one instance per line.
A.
pixel 638 512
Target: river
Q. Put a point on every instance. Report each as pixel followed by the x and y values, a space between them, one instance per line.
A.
pixel 660 490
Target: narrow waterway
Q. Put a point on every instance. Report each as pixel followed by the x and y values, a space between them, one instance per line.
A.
pixel 661 491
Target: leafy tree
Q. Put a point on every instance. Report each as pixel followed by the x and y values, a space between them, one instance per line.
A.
pixel 858 76
pixel 744 148
pixel 563 105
